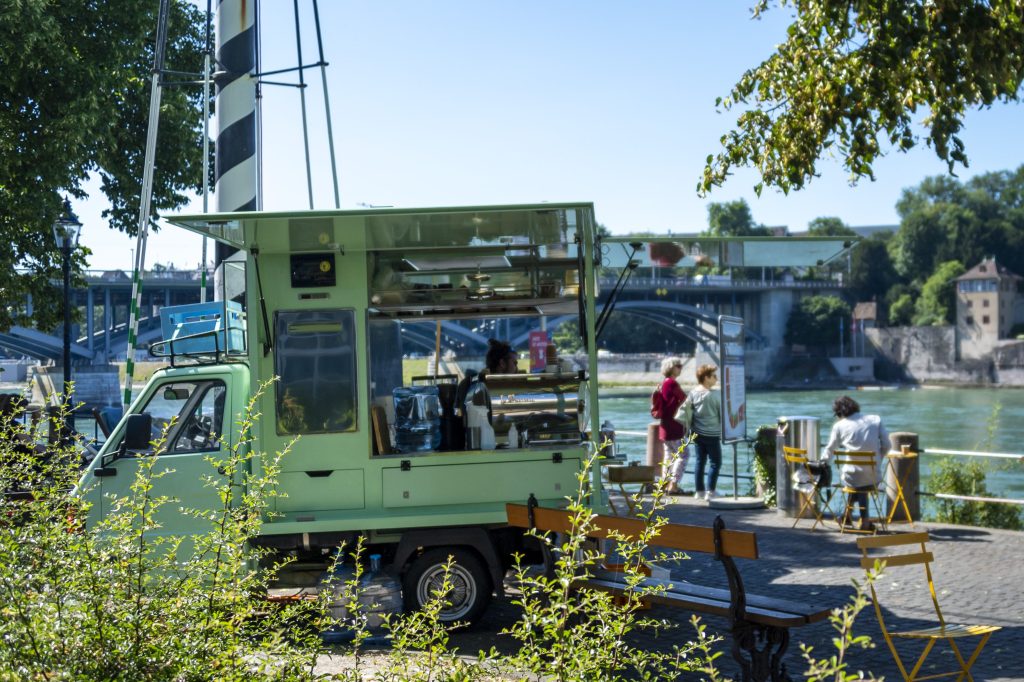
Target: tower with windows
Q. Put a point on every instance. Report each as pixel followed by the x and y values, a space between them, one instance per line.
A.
pixel 986 302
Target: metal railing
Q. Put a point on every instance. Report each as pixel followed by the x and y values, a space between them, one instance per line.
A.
pixel 697 283
pixel 972 453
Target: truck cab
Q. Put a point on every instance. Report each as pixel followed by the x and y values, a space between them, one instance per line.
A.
pixel 329 310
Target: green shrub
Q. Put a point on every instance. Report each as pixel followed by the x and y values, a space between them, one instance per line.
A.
pixel 956 477
pixel 763 462
pixel 118 602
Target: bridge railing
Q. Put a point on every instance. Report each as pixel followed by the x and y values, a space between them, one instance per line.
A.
pixel 606 283
pixel 125 275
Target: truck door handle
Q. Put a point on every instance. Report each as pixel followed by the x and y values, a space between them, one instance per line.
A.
pixel 102 472
pixel 319 473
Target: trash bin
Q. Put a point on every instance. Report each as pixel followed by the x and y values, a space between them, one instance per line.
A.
pixel 796 432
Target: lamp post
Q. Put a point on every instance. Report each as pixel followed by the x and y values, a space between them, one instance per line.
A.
pixel 66 230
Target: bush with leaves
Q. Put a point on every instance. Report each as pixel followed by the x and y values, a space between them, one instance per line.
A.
pixel 957 477
pixel 570 634
pixel 120 601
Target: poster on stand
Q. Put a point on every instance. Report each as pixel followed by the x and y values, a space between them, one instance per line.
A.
pixel 734 383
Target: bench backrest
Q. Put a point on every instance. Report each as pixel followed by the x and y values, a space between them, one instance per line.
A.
pixel 735 543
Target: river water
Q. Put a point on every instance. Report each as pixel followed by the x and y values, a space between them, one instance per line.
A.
pixel 990 420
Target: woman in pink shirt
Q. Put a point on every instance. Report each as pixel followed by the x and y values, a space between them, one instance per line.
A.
pixel 670 431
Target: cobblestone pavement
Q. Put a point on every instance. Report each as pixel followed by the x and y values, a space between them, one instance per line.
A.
pixel 978 572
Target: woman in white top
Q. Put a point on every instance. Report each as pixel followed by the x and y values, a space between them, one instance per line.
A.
pixel 858 432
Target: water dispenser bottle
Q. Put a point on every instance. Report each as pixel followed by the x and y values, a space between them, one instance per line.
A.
pixel 417 419
pixel 380 594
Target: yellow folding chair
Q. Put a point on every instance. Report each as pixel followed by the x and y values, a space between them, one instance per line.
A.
pixel 943 631
pixel 816 501
pixel 865 460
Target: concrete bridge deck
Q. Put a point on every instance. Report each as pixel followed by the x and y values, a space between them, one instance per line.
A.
pixel 978 573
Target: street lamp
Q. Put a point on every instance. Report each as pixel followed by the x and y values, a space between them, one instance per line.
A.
pixel 66 230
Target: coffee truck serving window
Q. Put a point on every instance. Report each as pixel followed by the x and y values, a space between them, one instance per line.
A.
pixel 439 286
pixel 316 368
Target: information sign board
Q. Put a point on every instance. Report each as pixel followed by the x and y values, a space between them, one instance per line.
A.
pixel 734 386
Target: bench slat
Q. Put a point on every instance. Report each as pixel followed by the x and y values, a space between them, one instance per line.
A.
pixel 810 614
pixel 706 604
pixel 735 543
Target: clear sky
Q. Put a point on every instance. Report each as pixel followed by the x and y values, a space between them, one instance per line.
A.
pixel 461 102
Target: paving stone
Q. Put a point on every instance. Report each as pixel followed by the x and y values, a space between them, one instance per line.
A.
pixel 978 573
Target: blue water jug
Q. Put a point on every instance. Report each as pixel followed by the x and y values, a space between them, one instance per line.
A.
pixel 417 419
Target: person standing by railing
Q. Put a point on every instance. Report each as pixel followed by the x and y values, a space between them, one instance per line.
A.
pixel 670 431
pixel 702 412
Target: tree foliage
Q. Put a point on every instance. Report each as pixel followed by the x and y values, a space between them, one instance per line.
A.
pixel 944 219
pixel 851 79
pixel 937 304
pixel 901 310
pixel 816 321
pixel 829 227
pixel 871 271
pixel 74 95
pixel 733 219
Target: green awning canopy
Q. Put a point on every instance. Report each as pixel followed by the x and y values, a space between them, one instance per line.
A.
pixel 741 252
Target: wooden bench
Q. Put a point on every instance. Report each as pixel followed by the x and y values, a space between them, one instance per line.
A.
pixel 759 625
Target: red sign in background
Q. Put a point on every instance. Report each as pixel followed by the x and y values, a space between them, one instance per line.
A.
pixel 538 347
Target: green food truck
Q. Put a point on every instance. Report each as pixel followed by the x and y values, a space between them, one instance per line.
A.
pixel 326 305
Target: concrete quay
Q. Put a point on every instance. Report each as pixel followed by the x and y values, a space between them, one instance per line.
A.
pixel 978 573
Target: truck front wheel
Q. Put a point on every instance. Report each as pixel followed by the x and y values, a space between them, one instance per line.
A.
pixel 469 590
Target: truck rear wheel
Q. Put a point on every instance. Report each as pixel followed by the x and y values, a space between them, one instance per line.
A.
pixel 470 586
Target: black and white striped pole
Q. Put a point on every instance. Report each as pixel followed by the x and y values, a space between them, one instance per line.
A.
pixel 236 181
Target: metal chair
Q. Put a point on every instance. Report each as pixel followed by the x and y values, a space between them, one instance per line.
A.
pixel 865 460
pixel 943 631
pixel 817 501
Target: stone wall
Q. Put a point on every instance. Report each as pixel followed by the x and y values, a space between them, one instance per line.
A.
pixel 928 354
pixel 915 353
pixel 1008 359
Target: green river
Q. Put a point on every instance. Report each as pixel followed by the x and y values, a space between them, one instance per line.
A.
pixel 990 420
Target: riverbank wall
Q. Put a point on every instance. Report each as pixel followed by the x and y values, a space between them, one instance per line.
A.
pixel 929 355
pixel 645 369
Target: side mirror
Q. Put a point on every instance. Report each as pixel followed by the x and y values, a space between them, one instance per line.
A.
pixel 138 431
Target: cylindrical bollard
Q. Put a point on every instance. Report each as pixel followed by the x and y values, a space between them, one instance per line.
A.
pixel 655 446
pixel 796 432
pixel 655 449
pixel 904 472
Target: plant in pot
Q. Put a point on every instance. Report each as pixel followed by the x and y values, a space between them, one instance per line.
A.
pixel 764 463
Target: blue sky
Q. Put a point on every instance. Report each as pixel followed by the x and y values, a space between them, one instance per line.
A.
pixel 463 103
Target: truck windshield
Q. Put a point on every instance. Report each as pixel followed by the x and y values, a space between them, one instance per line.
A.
pixel 191 413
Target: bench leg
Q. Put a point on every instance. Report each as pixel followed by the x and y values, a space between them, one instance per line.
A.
pixel 759 650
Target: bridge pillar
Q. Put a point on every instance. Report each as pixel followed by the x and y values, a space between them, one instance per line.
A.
pixel 776 304
pixel 108 322
pixel 90 322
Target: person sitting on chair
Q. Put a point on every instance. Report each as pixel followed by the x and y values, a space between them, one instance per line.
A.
pixel 856 432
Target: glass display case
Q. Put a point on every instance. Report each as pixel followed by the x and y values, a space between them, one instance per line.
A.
pixel 477 270
pixel 486 263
